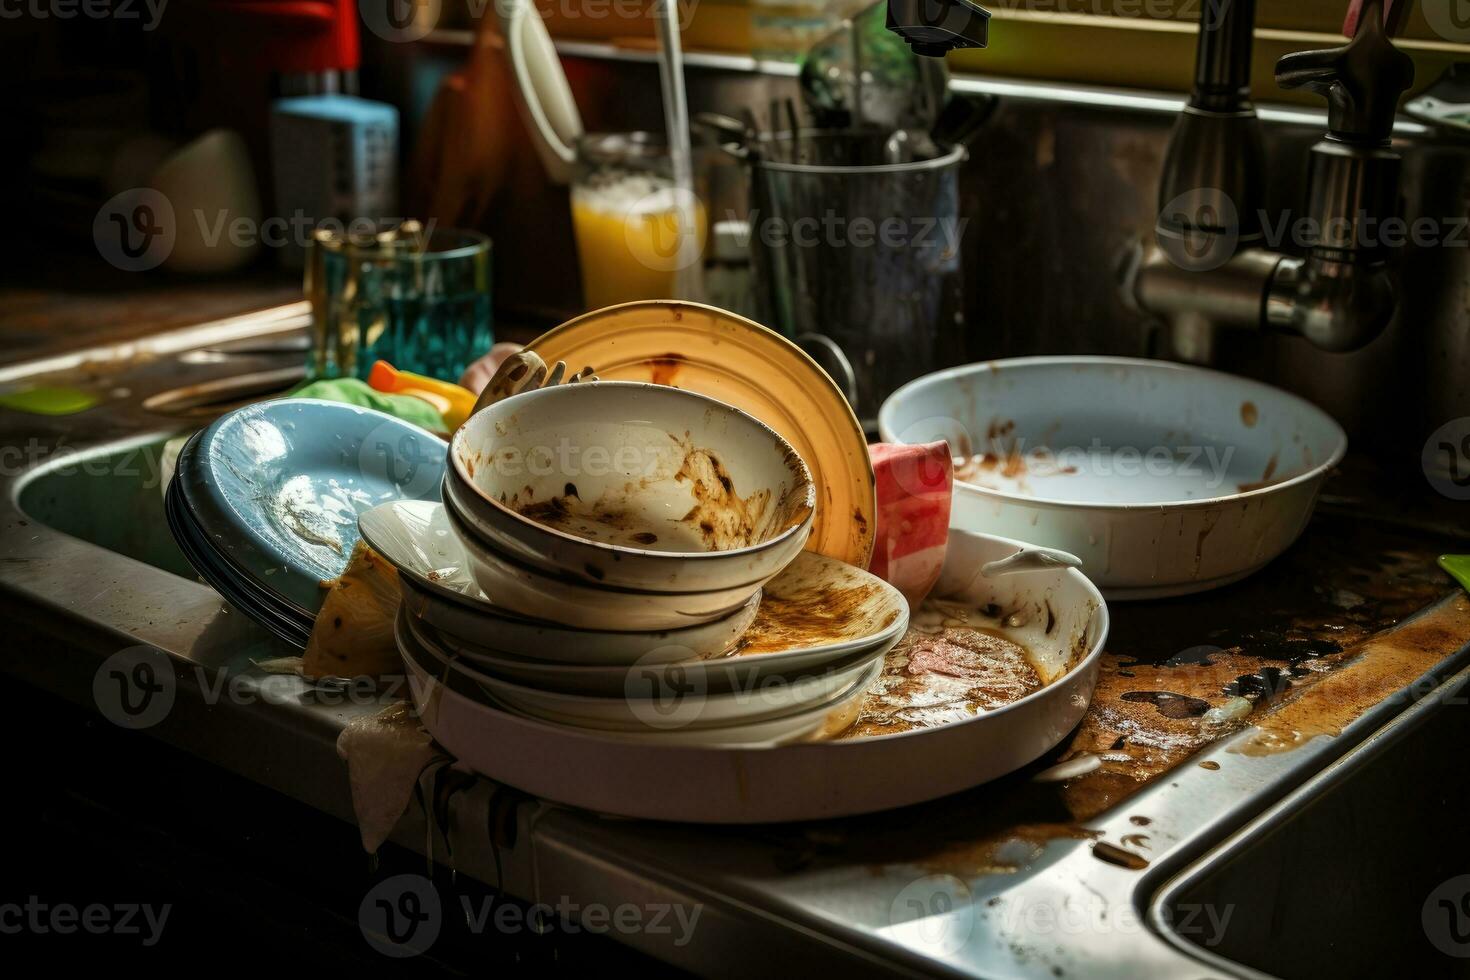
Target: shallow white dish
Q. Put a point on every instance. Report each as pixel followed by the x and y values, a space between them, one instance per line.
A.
pixel 1164 479
pixel 418 540
pixel 649 487
pixel 716 675
pixel 548 643
pixel 655 704
pixel 535 594
pixel 442 683
pixel 657 779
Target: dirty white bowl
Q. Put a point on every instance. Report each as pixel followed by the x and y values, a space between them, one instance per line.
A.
pixel 553 598
pixel 1163 478
pixel 648 487
pixel 416 538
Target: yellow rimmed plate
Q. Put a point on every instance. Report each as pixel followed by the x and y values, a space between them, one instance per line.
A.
pixel 716 353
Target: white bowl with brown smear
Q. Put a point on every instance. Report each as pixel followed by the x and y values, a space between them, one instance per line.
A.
pixel 632 486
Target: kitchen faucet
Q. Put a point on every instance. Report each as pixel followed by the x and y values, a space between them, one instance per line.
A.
pixel 1210 267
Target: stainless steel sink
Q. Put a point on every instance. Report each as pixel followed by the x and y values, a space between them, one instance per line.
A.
pixel 1322 857
pixel 1351 872
pixel 110 496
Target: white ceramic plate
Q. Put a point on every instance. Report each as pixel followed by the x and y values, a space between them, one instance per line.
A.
pixel 1163 478
pixel 659 779
pixel 713 676
pixel 469 701
pixel 427 537
pixel 656 703
pixel 486 630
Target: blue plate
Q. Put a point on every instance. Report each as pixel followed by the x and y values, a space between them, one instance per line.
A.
pixel 290 627
pixel 274 489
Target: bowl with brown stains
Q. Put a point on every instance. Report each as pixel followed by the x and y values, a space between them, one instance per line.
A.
pixel 631 486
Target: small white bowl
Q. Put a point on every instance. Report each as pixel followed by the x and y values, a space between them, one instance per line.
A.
pixel 635 486
pixel 416 538
pixel 551 644
pixel 535 594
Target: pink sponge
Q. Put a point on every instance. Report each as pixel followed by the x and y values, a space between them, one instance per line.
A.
pixel 914 488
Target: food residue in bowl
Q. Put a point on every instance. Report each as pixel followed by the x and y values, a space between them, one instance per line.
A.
pixel 718 518
pixel 954 662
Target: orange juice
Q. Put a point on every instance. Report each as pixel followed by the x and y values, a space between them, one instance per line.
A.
pixel 629 238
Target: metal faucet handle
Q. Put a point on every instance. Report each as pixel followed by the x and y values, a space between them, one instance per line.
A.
pixel 1362 80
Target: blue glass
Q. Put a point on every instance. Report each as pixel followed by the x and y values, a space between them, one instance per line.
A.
pixel 424 308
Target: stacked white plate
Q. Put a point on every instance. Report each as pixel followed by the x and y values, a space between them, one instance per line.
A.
pixel 691 685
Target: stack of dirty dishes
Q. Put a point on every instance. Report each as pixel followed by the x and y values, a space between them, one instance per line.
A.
pixel 599 561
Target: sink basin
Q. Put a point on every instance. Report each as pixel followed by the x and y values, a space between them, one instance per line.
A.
pixel 111 497
pixel 1354 868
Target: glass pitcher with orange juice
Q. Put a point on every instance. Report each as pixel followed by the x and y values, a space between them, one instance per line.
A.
pixel 635 229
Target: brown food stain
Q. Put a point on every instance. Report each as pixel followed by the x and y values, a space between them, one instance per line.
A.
pixel 1267 478
pixel 807 617
pixel 1210 764
pixel 1249 414
pixel 1379 669
pixel 930 679
pixel 1113 854
pixel 1291 616
pixel 663 370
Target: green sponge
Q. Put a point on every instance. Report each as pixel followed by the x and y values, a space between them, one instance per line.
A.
pixel 352 391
